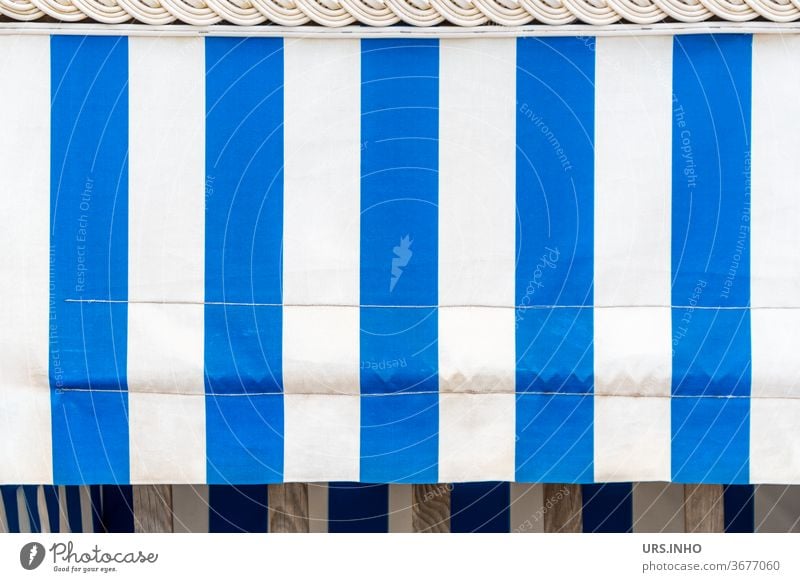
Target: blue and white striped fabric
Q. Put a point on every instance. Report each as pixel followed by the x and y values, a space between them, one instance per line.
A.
pixel 363 508
pixel 399 260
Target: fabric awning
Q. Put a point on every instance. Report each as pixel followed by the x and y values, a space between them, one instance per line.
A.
pixel 409 260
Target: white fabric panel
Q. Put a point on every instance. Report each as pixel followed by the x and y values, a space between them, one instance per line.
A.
pixel 25 428
pixel 168 445
pixel 322 437
pixel 322 152
pixel 777 508
pixel 774 445
pixel 190 508
pixel 658 507
pixel 527 508
pixel 318 508
pixel 321 259
pixel 477 204
pixel 775 238
pixel 775 262
pixel 631 438
pixel 166 260
pixel 476 437
pixel 633 182
pixel 633 351
pixel 401 505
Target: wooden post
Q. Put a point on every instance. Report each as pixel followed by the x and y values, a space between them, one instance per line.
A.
pixel 431 508
pixel 288 508
pixel 152 508
pixel 704 509
pixel 563 508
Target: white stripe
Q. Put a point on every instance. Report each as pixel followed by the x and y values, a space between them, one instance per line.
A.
pixel 63 516
pixel 401 504
pixel 777 508
pixel 44 515
pixel 321 260
pixel 190 508
pixel 3 516
pixel 166 260
pixel 632 265
pixel 775 262
pixel 476 437
pixel 527 508
pixel 25 428
pixel 476 258
pixel 22 512
pixel 87 523
pixel 658 507
pixel 318 507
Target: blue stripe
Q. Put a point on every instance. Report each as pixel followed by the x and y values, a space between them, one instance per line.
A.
pixel 608 508
pixel 555 238
pixel 89 258
pixel 711 258
pixel 74 517
pixel 8 495
pixel 358 508
pixel 244 229
pixel 399 260
pixel 96 499
pixel 480 507
pixel 53 509
pixel 117 509
pixel 32 507
pixel 237 508
pixel 739 502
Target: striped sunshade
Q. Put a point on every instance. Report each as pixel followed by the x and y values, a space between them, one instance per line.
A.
pixel 374 508
pixel 417 260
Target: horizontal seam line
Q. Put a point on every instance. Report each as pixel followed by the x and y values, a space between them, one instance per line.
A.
pixel 435 392
pixel 434 306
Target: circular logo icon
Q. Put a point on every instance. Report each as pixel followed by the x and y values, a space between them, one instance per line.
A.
pixel 31 555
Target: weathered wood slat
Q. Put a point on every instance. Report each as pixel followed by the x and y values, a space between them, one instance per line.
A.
pixel 431 508
pixel 152 508
pixel 563 508
pixel 288 508
pixel 704 509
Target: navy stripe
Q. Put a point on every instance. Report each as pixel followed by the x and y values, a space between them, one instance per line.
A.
pixel 244 229
pixel 480 507
pixel 739 502
pixel 74 516
pixel 89 258
pixel 117 509
pixel 554 240
pixel 237 508
pixel 32 507
pixel 358 508
pixel 711 258
pixel 608 508
pixel 96 499
pixel 53 509
pixel 8 493
pixel 399 260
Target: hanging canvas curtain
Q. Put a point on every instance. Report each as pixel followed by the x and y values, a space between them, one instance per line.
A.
pixel 399 260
